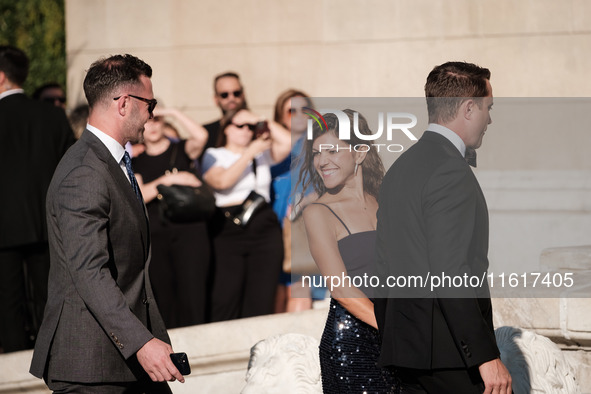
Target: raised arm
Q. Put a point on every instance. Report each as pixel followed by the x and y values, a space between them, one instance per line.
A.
pixel 281 141
pixel 280 136
pixel 324 249
pixel 197 133
pixel 221 178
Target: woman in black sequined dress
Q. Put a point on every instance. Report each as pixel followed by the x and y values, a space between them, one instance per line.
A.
pixel 341 226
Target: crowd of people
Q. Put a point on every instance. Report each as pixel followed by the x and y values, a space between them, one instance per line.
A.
pixel 202 271
pixel 122 272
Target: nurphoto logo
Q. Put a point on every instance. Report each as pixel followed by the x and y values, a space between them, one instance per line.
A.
pixel 395 121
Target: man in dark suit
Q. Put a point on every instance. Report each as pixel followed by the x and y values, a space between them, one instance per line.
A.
pixel 102 331
pixel 228 95
pixel 33 138
pixel 433 220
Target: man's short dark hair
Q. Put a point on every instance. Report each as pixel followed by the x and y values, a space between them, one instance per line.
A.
pixel 108 74
pixel 456 81
pixel 227 74
pixel 14 63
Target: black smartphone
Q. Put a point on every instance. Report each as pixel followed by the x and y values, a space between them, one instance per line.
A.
pixel 181 362
pixel 261 128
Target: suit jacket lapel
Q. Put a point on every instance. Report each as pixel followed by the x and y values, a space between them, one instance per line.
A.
pixel 121 182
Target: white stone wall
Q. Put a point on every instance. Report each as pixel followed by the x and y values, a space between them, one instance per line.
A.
pixel 537 183
pixel 334 47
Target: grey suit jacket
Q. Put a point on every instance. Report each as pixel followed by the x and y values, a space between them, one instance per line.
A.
pixel 100 309
pixel 432 219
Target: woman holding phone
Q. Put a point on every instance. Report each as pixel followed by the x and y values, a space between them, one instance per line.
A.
pixel 247 258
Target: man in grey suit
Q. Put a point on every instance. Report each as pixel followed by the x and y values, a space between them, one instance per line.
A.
pixel 102 331
pixel 432 220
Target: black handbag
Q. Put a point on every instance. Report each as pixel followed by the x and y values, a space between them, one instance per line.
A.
pixel 251 205
pixel 184 204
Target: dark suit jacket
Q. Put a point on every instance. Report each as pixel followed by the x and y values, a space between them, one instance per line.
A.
pixel 433 218
pixel 33 137
pixel 100 309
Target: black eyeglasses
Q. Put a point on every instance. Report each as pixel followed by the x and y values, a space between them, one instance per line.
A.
pixel 251 126
pixel 235 93
pixel 151 103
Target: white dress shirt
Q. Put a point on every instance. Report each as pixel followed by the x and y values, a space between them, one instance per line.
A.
pixel 450 135
pixel 117 151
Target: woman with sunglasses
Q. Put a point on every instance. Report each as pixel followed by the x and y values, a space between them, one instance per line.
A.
pixel 180 251
pixel 289 112
pixel 247 260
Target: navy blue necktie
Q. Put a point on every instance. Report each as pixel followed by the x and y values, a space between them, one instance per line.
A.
pixel 134 185
pixel 470 157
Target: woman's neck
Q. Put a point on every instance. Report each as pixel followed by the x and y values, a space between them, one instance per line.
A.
pixel 157 148
pixel 235 148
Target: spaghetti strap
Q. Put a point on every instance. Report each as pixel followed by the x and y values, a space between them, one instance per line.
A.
pixel 337 216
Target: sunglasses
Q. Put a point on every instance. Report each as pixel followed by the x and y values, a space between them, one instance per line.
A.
pixel 151 103
pixel 235 93
pixel 54 99
pixel 251 126
pixel 292 111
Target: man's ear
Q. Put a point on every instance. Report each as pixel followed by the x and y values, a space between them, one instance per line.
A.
pixel 123 105
pixel 467 108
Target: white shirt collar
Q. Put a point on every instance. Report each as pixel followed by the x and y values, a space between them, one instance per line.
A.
pixel 117 151
pixel 10 92
pixel 450 135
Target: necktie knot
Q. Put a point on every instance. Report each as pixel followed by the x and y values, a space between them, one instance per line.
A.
pixel 470 157
pixel 127 159
pixel 132 180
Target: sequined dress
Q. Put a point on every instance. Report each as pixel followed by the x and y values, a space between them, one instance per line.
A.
pixel 349 348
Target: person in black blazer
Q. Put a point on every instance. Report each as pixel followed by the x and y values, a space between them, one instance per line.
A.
pixel 33 137
pixel 432 220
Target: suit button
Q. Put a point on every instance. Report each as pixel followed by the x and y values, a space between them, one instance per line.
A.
pixel 145 301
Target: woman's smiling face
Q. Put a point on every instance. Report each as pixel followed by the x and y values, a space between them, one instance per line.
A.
pixel 333 160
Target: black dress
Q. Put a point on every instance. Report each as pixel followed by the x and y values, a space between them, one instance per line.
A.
pixel 180 251
pixel 349 348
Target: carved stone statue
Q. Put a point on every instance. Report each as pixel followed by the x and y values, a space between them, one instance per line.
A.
pixel 284 364
pixel 289 364
pixel 536 363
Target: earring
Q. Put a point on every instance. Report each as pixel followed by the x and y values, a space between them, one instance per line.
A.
pixel 356 167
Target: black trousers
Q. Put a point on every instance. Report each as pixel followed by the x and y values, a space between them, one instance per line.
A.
pixel 179 271
pixel 23 293
pixel 108 388
pixel 247 265
pixel 441 381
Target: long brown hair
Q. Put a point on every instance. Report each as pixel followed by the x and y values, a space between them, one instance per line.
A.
pixel 282 99
pixel 373 168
